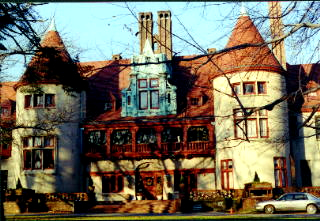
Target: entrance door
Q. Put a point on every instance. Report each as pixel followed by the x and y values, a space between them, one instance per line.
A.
pixel 227 174
pixel 152 185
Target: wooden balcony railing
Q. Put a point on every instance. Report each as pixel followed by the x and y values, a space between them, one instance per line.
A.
pixel 121 148
pixel 194 148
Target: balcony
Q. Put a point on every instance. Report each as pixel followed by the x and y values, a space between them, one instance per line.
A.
pixel 197 148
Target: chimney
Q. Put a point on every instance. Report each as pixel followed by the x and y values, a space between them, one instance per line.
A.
pixel 164 37
pixel 276 27
pixel 145 29
pixel 116 57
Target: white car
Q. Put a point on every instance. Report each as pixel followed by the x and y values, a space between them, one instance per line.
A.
pixel 291 202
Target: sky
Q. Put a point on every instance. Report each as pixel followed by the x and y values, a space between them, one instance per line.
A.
pixel 96 31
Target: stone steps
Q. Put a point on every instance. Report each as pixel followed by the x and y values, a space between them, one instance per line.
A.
pixel 139 206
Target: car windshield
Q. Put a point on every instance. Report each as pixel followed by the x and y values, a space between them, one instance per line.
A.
pixel 312 197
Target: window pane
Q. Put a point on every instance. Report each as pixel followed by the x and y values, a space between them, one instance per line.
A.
pixel 27 101
pixel 48 159
pixel 49 141
pixel 252 128
pixel 146 136
pixel 155 99
pixel 263 127
pixel 27 159
pixel 236 88
pixel 198 134
pixel 154 83
pixel 142 83
pixel 263 112
pixel 248 88
pixel 38 100
pixel 49 100
pixel 121 137
pixel 239 125
pixel 143 95
pixel 194 101
pixel 37 141
pixel 120 183
pixel 262 88
pixel 37 159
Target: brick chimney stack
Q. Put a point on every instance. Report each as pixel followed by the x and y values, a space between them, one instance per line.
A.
pixel 145 29
pixel 276 27
pixel 164 37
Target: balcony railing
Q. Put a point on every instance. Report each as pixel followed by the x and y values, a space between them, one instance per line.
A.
pixel 194 148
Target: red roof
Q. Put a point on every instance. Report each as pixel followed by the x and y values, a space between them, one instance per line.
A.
pixel 257 57
pixel 303 76
pixel 50 57
pixel 7 91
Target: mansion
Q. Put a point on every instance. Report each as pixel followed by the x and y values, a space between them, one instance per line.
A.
pixel 157 126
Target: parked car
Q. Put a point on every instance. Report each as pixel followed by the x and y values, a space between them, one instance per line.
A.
pixel 291 202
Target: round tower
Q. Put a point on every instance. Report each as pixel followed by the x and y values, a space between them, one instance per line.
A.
pixel 257 142
pixel 50 106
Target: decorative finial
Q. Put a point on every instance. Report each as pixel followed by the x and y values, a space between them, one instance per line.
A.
pixel 243 10
pixel 52 26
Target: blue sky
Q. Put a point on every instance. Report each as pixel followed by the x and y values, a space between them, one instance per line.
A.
pixel 95 31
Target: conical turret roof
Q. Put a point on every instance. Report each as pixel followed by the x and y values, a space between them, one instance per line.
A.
pixel 51 63
pixel 258 56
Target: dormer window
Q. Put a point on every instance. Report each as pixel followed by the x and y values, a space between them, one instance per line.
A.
pixel 194 101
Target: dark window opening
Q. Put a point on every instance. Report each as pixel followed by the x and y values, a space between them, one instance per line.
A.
pixel 146 136
pixel 172 135
pixel 198 134
pixel 121 137
pixel 27 101
pixel 97 137
pixel 112 184
pixel 248 88
pixel 194 101
pixel 262 89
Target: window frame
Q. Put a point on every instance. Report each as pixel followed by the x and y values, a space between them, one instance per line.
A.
pixel 140 84
pixel 249 83
pixel 146 106
pixel 112 187
pixel 157 106
pixel 238 116
pixel 234 86
pixel 282 169
pixel 31 150
pixel 264 87
pixel 39 101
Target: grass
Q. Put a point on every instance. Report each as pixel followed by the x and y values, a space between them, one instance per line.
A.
pixel 163 217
